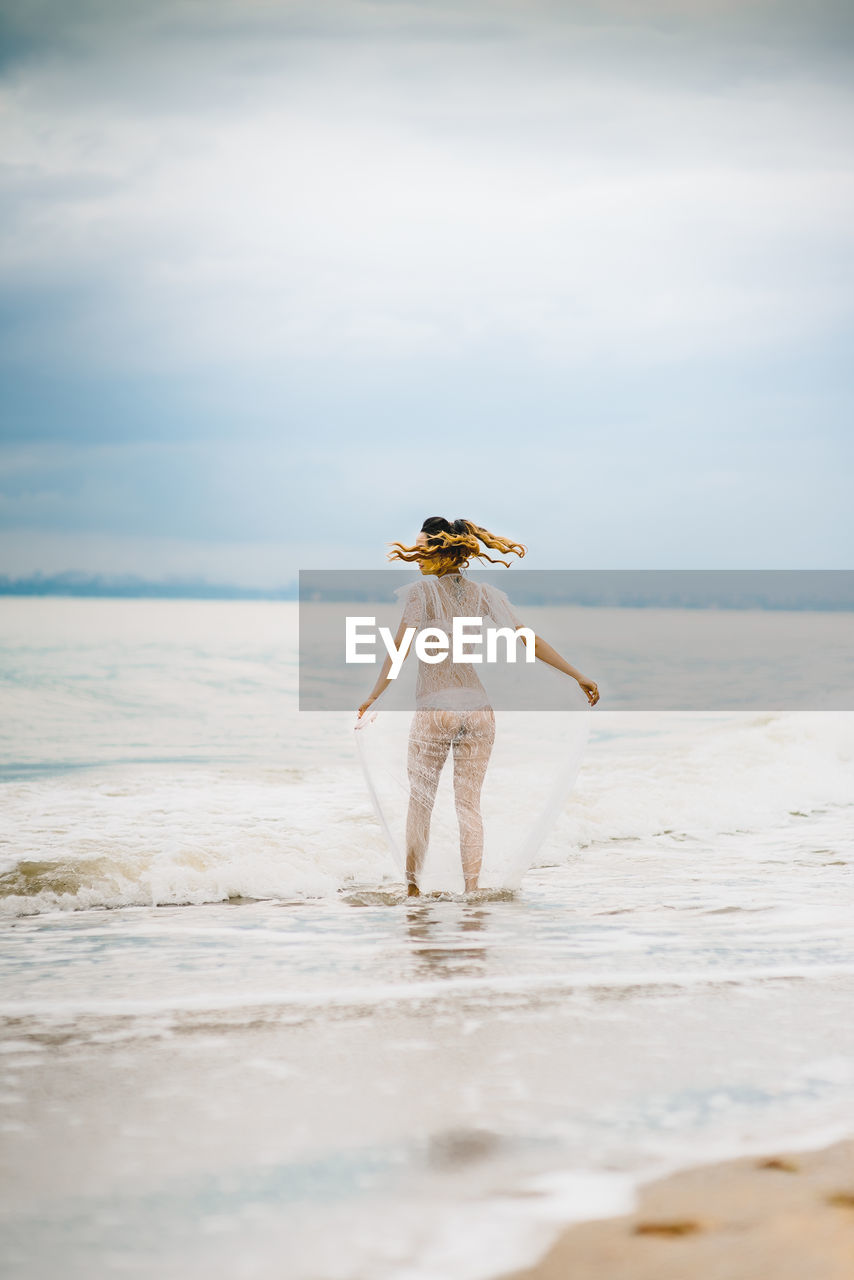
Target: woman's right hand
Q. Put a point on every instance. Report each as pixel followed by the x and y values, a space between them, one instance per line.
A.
pixel 363 708
pixel 591 688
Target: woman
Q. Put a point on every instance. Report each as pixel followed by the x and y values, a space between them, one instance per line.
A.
pixel 452 711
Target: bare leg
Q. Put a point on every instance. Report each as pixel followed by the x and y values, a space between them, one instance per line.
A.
pixel 472 749
pixel 429 742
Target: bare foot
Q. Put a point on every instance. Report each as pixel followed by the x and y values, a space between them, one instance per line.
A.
pixel 412 890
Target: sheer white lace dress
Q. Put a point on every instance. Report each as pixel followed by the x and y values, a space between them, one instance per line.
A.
pixel 452 715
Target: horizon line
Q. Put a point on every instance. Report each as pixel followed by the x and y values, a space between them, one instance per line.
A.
pixel 79 584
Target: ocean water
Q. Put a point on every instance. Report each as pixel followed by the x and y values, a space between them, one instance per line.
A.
pixel 230 1047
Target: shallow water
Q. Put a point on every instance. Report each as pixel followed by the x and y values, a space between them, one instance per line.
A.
pixel 231 1047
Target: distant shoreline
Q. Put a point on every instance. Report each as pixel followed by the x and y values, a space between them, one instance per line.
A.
pixel 138 589
pixel 812 591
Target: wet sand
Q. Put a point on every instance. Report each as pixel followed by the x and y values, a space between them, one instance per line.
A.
pixel 789 1215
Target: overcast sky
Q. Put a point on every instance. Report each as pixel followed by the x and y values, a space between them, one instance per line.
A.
pixel 281 279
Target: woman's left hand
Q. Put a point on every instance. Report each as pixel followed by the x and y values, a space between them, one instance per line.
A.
pixel 591 688
pixel 363 708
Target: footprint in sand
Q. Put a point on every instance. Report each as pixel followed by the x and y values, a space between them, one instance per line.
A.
pixel 676 1227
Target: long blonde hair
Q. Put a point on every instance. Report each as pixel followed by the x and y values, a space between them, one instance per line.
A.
pixel 451 545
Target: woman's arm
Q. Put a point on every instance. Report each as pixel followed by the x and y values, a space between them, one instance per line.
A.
pixel 500 610
pixel 383 680
pixel 546 653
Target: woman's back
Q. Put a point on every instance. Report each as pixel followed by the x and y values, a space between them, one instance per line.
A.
pixel 434 601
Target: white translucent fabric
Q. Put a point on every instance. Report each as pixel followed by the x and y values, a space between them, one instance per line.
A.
pixel 466 794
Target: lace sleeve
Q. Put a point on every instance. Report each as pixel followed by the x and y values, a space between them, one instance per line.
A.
pixel 496 605
pixel 411 597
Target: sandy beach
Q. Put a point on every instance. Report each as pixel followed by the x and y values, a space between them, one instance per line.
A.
pixel 789 1215
pixel 230 1046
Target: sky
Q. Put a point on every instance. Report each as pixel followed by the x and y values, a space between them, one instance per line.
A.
pixel 279 280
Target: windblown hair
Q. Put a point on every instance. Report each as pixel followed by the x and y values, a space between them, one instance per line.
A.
pixel 452 544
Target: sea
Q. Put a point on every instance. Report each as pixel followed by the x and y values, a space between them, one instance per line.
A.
pixel 231 1047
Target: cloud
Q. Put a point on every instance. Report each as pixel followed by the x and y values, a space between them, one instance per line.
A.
pixel 413 195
